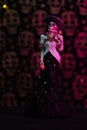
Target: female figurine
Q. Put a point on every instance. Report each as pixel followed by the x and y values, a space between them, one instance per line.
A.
pixel 52 44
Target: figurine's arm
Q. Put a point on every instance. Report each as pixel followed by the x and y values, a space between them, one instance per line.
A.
pixel 60 42
pixel 43 39
pixel 42 56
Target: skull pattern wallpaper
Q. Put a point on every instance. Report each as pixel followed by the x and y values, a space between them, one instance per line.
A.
pixel 22 23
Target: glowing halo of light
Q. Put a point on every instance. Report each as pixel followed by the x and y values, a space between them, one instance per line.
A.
pixel 5 6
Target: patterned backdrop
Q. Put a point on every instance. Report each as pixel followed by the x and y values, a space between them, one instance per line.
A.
pixel 21 24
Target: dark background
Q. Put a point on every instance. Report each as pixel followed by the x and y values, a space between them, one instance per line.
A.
pixel 21 24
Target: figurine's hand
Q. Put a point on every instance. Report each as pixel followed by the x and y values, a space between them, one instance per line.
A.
pixel 42 67
pixel 60 32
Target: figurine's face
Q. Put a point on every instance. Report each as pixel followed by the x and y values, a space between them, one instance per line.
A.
pixel 52 27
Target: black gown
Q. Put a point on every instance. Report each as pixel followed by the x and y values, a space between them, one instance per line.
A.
pixel 49 87
pixel 49 92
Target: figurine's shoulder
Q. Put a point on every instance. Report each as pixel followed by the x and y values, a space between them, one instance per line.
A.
pixel 43 36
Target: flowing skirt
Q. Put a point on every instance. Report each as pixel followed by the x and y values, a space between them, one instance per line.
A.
pixel 49 95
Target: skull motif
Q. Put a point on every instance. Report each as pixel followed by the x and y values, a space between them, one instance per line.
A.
pixel 2 40
pixel 38 20
pixel 82 5
pixel 85 27
pixel 85 103
pixel 70 22
pixel 2 81
pixel 55 6
pixel 70 4
pixel 68 65
pixel 79 86
pixel 1 23
pixel 9 100
pixel 24 84
pixel 10 62
pixel 26 5
pixel 81 45
pixel 83 23
pixel 35 63
pixel 12 21
pixel 26 42
pixel 68 1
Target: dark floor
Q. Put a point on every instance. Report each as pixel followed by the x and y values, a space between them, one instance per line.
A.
pixel 25 123
pixel 20 121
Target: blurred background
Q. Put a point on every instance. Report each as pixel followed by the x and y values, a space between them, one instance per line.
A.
pixel 21 24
